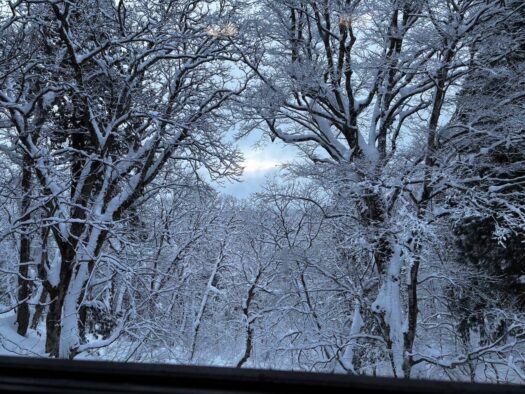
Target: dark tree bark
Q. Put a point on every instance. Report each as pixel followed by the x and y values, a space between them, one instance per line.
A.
pixel 249 322
pixel 24 284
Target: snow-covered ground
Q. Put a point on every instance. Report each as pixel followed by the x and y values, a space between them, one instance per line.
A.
pixel 12 344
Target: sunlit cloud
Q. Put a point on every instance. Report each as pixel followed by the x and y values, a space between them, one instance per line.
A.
pixel 257 166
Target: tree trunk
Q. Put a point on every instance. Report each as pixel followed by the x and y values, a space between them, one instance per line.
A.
pixel 249 323
pixel 24 284
pixel 204 302
pixel 410 335
pixel 248 346
pixel 39 309
pixel 426 196
pixel 53 323
pixel 56 299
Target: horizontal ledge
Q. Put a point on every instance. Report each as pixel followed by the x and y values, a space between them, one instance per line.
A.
pixel 18 374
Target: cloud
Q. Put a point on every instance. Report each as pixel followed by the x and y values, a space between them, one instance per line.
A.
pixel 261 161
pixel 259 164
pixel 253 167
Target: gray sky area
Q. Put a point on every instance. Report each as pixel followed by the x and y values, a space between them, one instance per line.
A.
pixel 262 161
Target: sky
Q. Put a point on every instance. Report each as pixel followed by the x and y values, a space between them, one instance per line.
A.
pixel 261 162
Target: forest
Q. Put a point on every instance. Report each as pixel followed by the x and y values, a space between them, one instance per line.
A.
pixel 391 242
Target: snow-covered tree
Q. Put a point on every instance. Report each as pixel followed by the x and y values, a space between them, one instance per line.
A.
pixel 101 96
pixel 361 88
pixel 392 245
